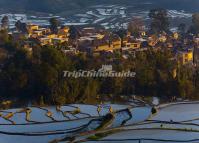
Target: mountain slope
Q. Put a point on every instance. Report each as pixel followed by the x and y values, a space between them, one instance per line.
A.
pixel 58 6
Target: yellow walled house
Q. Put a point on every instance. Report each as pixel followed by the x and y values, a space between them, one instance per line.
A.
pixel 163 38
pixel 45 41
pixel 185 57
pixel 152 43
pixel 175 35
pixel 58 40
pixel 103 47
pixel 32 27
pixel 131 43
pixel 128 34
pixel 97 36
pixel 35 34
pixel 38 33
pixel 116 42
pixel 65 29
pixel 51 36
pixel 152 40
pixel 107 43
pixel 174 73
pixel 63 37
pixel 55 39
pixel 125 41
pixel 100 36
pixel 63 32
pixel 45 30
pixel 142 33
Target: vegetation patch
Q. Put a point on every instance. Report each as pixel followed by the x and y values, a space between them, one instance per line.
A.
pixel 101 135
pixel 106 121
pixel 154 110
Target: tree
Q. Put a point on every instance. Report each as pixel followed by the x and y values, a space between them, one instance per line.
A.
pixel 47 78
pixel 182 28
pixel 121 33
pixel 91 92
pixel 160 20
pixel 154 76
pixel 135 26
pixel 54 24
pixel 194 28
pixel 22 27
pixel 4 37
pixel 18 24
pixel 74 33
pixel 185 81
pixel 14 76
pixel 5 22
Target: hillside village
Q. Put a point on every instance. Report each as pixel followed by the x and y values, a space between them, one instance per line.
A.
pixel 97 41
pixel 165 61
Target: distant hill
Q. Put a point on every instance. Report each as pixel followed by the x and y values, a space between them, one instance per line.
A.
pixel 59 6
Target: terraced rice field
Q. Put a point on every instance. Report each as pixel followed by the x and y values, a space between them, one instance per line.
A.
pixel 177 122
pixel 107 16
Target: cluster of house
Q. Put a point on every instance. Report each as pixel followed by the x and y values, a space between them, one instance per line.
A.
pixel 41 35
pixel 98 40
pixel 93 40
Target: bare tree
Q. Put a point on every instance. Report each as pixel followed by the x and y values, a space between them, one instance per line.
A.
pixel 5 22
pixel 135 26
